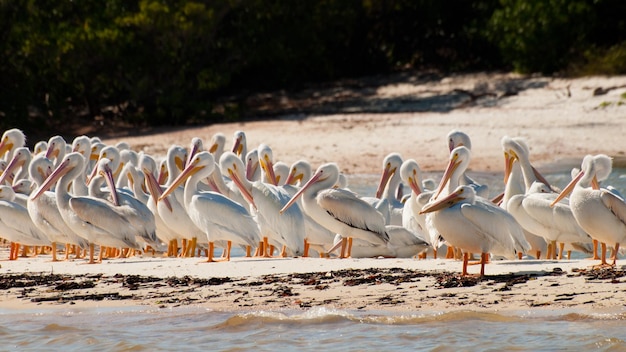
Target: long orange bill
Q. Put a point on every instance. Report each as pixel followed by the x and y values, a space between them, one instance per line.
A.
pixel 8 171
pixel 508 166
pixel 244 191
pixel 452 165
pixel 194 150
pixel 251 169
pixel 594 183
pixel 568 189
pixel 61 170
pixel 237 147
pixel 295 197
pixel 384 178
pixel 443 203
pixel 268 166
pixel 182 177
pixel 414 186
pixel 107 173
pixel 155 189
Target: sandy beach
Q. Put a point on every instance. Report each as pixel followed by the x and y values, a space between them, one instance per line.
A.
pixel 562 120
pixel 242 284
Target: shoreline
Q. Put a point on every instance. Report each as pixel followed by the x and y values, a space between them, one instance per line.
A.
pixel 245 284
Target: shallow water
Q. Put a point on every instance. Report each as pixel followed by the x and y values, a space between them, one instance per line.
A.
pixel 150 329
pixel 139 329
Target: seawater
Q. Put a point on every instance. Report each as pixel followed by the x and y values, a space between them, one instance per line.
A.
pixel 191 329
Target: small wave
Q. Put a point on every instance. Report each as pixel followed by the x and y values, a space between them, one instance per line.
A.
pixel 316 315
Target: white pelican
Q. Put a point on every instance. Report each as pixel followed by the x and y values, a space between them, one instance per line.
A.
pixel 45 214
pixel 197 145
pixel 20 161
pixel 253 170
pixel 299 173
pixel 458 138
pixel 16 225
pixel 40 147
pixel 216 145
pixel 266 200
pixel 281 172
pixel 136 213
pixel 514 186
pixel 173 212
pixel 476 226
pixel 412 220
pixel 532 209
pixel 459 160
pixel 402 244
pixel 240 145
pixel 598 211
pixel 317 236
pixel 11 139
pixel 163 232
pixel 220 218
pixel 389 181
pixel 96 220
pixel 339 210
pixel 218 183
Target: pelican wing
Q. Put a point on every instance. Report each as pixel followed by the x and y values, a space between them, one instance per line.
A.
pixel 498 225
pixel 104 216
pixel 615 204
pixel 559 219
pixel 215 213
pixel 16 217
pixel 346 207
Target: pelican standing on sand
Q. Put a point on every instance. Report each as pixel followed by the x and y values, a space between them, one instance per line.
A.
pixel 599 212
pixel 339 210
pixel 556 224
pixel 476 226
pixel 45 213
pixel 218 216
pixel 265 201
pixel 93 219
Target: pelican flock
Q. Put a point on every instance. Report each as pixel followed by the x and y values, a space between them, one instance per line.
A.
pixel 82 197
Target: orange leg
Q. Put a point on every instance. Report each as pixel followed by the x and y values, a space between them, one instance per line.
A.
pixel 267 251
pixel 209 253
pixel 91 250
pixel 483 260
pixel 615 254
pixel 344 242
pixel 595 250
pixel 349 247
pixel 465 260
pixel 306 248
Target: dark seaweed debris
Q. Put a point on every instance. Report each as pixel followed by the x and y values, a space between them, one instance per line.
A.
pixel 612 274
pixel 41 287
